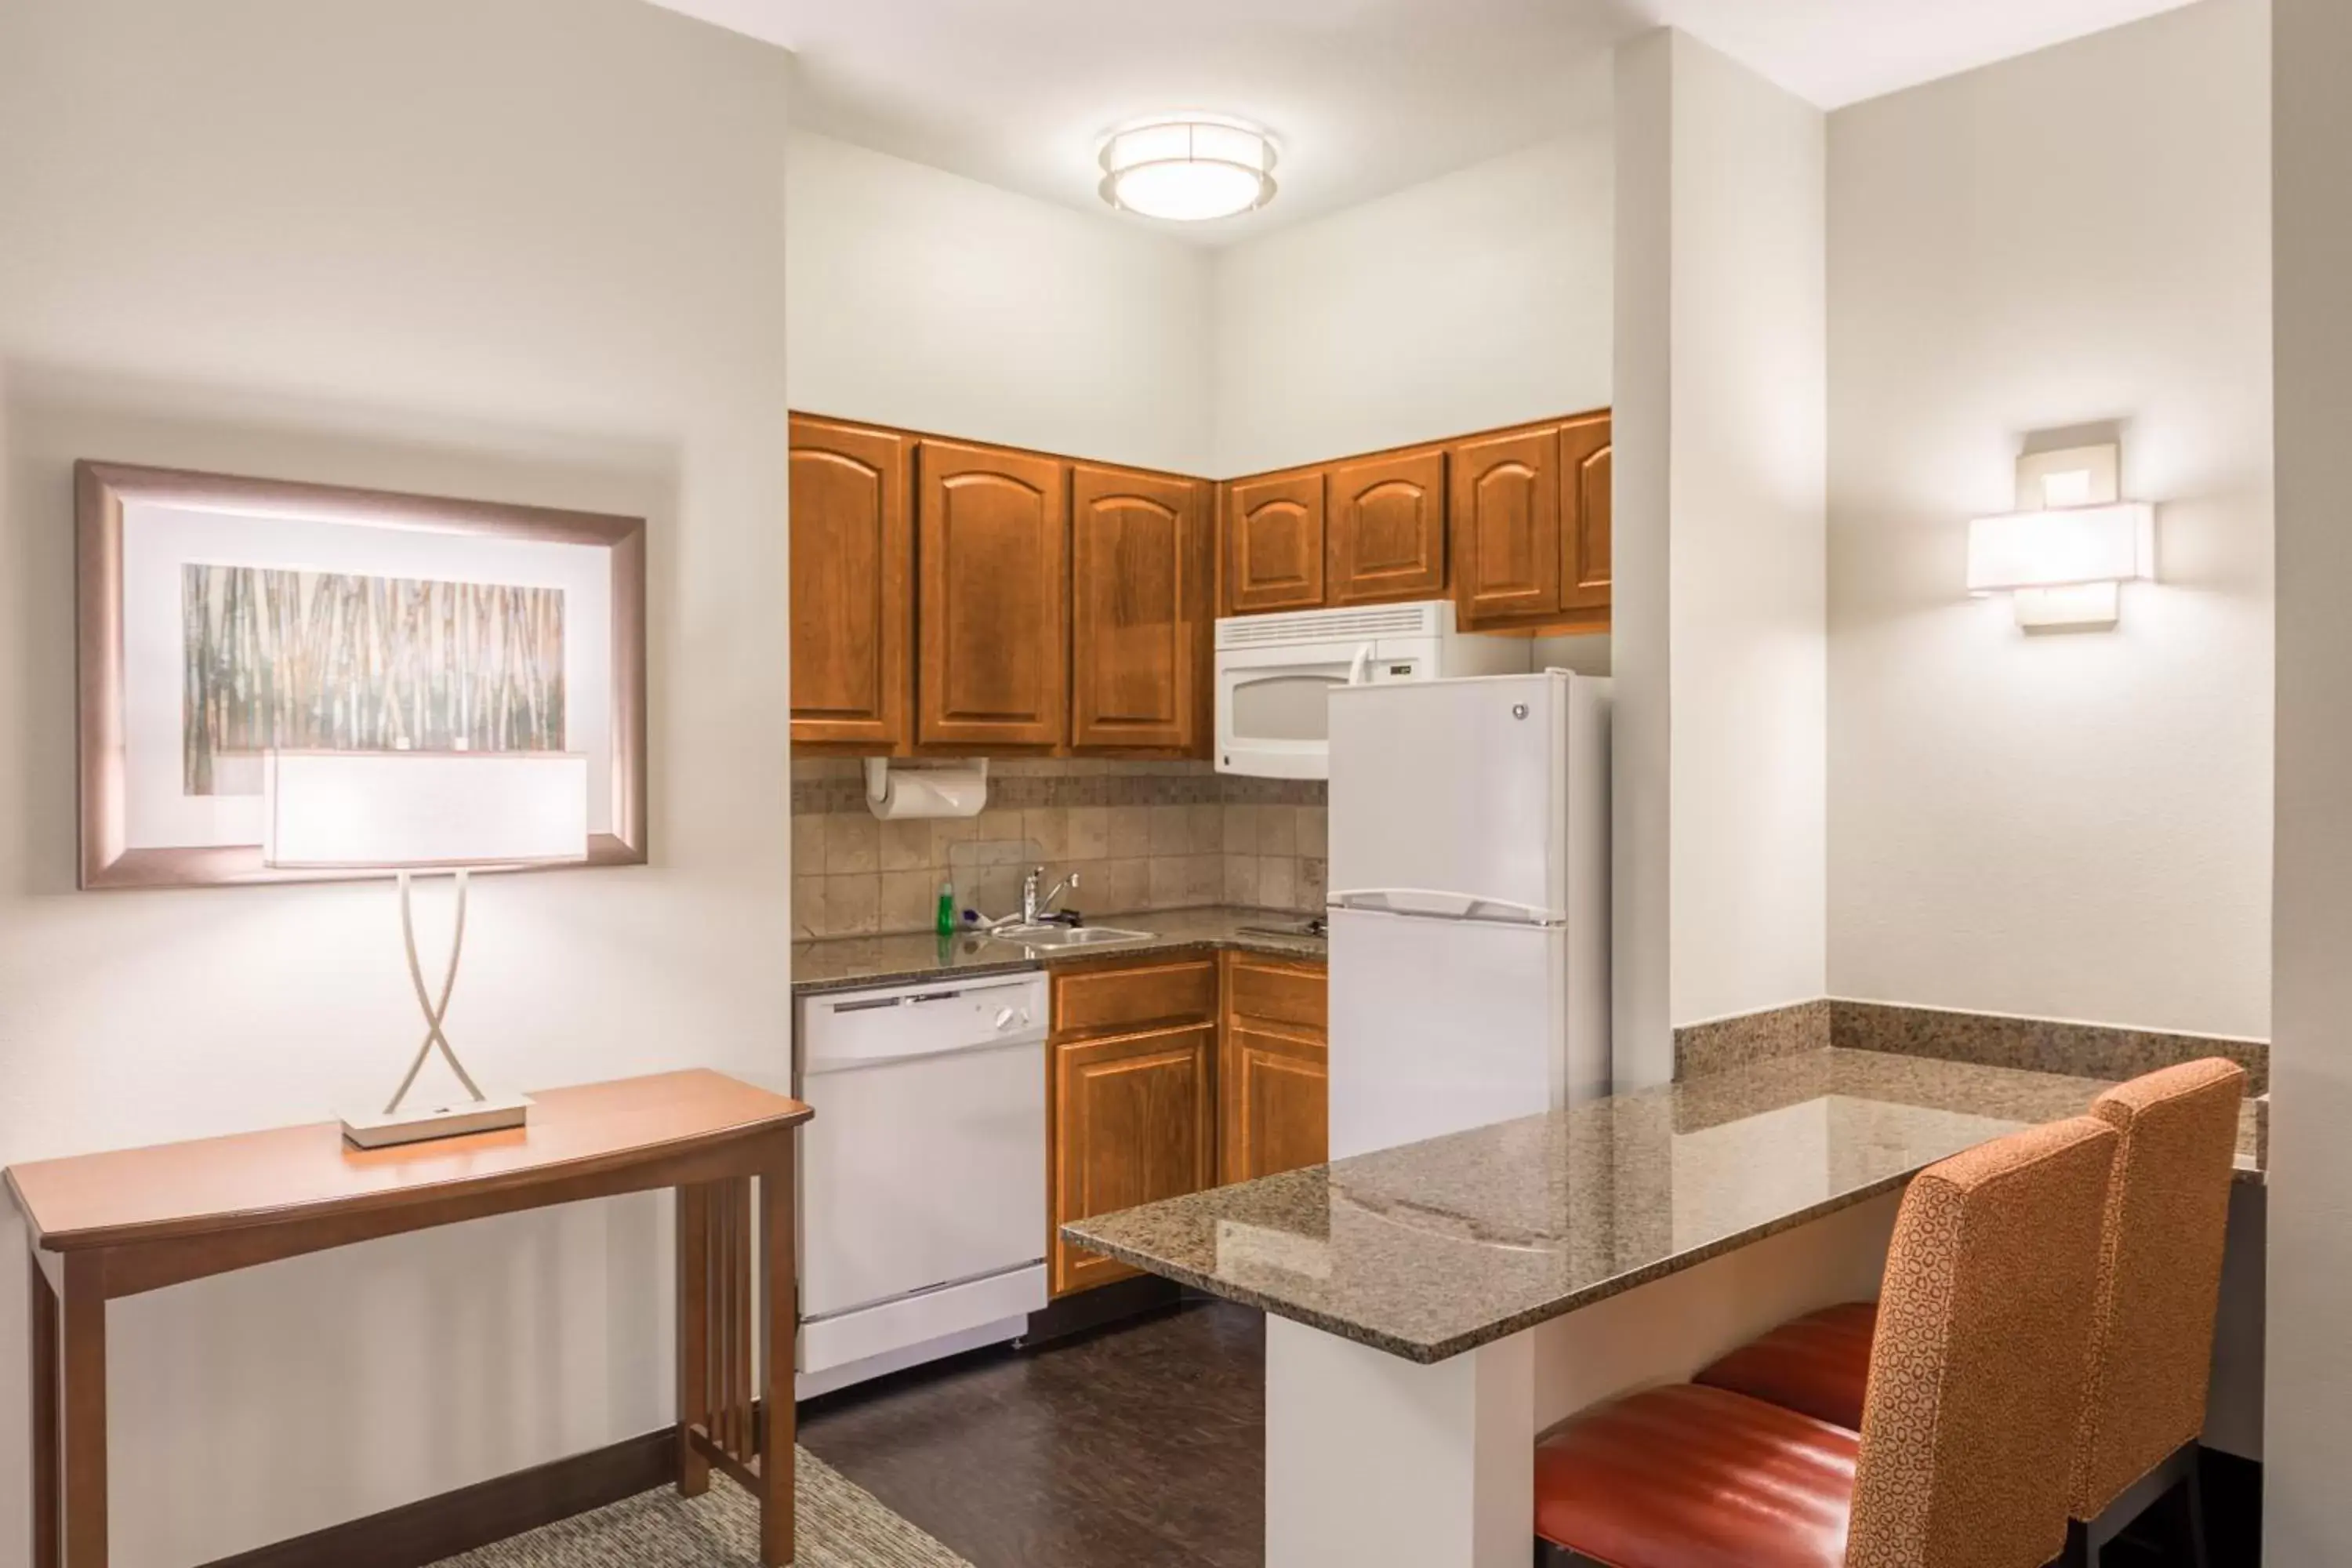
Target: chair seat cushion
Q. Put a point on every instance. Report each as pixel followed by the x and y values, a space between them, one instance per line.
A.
pixel 1685 1477
pixel 1818 1364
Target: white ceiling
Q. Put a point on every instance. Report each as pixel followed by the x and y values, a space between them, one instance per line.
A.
pixel 1364 96
pixel 1837 52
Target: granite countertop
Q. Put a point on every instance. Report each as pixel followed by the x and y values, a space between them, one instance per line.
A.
pixel 1438 1248
pixel 844 964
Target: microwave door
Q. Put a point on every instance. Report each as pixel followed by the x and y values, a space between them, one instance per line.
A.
pixel 1274 720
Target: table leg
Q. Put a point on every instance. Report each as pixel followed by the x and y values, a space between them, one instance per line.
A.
pixel 693 1336
pixel 44 1418
pixel 83 1448
pixel 777 1204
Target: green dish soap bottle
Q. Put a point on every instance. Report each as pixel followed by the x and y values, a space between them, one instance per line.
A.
pixel 946 922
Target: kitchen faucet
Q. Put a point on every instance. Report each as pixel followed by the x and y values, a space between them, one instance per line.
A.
pixel 1034 909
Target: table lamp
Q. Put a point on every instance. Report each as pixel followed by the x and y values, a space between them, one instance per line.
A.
pixel 412 812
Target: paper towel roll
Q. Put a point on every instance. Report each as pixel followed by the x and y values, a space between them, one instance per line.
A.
pixel 925 792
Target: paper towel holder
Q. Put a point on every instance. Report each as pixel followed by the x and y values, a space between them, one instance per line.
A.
pixel 954 792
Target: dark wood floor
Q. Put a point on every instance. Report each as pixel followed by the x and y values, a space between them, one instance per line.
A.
pixel 1141 1446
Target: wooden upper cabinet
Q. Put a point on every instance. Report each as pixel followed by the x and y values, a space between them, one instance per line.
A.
pixel 853 590
pixel 1139 612
pixel 1387 528
pixel 1506 528
pixel 949 598
pixel 1586 501
pixel 1274 544
pixel 992 622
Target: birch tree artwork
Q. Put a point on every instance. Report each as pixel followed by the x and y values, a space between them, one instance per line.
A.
pixel 334 662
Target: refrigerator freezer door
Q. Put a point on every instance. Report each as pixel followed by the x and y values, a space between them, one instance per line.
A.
pixel 1440 1026
pixel 1450 796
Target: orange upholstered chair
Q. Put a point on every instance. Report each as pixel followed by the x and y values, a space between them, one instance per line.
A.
pixel 2166 1225
pixel 1975 1374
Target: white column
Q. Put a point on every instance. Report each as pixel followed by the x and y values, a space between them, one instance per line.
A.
pixel 1372 1461
pixel 2307 1426
pixel 1720 643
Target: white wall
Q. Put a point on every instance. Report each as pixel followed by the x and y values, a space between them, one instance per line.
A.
pixel 1718 638
pixel 527 251
pixel 924 299
pixel 2075 825
pixel 928 301
pixel 1478 300
pixel 2308 1427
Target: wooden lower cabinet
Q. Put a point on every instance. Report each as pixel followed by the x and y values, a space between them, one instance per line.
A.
pixel 1274 1068
pixel 1172 1075
pixel 1131 1104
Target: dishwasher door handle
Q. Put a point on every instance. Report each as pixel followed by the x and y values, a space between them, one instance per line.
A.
pixel 918 998
pixel 818 1062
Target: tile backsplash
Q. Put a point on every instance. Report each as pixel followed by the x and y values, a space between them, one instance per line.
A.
pixel 1140 836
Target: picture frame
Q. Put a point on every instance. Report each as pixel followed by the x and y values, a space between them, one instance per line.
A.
pixel 218 615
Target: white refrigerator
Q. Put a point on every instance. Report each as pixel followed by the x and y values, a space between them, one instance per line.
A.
pixel 1469 904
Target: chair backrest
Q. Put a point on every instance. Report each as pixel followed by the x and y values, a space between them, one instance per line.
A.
pixel 2159 1281
pixel 1979 1358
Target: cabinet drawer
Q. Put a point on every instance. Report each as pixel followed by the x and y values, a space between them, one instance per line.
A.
pixel 1122 995
pixel 1293 994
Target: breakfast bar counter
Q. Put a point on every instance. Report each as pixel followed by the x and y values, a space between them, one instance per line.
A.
pixel 1432 1307
pixel 1438 1248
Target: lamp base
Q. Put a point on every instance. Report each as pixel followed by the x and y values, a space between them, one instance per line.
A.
pixel 494 1114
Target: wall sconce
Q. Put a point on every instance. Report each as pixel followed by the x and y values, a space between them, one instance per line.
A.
pixel 2064 555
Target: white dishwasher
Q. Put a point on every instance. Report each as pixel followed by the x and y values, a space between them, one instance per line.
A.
pixel 922 1183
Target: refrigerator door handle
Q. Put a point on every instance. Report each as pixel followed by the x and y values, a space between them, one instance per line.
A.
pixel 1430 901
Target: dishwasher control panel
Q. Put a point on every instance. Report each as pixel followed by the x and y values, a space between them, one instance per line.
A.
pixel 844 1029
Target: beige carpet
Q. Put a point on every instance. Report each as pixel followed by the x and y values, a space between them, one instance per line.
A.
pixel 840 1526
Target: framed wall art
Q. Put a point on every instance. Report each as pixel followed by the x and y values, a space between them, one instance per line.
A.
pixel 220 619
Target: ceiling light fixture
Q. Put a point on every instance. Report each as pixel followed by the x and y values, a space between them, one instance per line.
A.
pixel 1188 168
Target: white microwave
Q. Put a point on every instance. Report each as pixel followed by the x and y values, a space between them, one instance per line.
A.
pixel 1275 675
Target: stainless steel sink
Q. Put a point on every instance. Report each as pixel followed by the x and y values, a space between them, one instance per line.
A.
pixel 1059 936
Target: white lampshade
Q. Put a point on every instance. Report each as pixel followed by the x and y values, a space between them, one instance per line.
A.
pixel 423 810
pixel 1189 169
pixel 2063 547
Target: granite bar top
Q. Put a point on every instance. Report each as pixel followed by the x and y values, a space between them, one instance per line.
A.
pixel 842 963
pixel 1438 1248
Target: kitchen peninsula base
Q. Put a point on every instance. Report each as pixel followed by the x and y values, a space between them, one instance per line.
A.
pixel 1375 1461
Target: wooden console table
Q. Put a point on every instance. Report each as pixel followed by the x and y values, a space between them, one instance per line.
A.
pixel 107 1226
